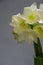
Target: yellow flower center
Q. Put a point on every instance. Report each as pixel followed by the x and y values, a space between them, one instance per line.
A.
pixel 32 17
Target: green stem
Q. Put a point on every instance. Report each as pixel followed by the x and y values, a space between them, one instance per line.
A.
pixel 38 48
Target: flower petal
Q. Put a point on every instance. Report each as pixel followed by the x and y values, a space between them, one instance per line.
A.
pixel 39 30
pixel 30 14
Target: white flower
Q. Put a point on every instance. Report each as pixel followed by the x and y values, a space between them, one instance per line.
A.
pixel 39 30
pixel 28 26
pixel 17 23
pixel 30 14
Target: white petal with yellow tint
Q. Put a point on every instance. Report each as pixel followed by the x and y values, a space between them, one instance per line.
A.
pixel 30 36
pixel 34 6
pixel 21 37
pixel 40 13
pixel 18 29
pixel 39 31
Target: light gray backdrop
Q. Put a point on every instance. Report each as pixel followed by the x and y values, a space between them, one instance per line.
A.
pixel 12 53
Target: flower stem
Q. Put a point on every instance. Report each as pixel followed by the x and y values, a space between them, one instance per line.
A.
pixel 38 48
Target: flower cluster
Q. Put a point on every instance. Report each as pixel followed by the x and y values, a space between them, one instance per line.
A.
pixel 28 25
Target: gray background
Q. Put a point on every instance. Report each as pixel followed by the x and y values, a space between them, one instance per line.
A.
pixel 12 53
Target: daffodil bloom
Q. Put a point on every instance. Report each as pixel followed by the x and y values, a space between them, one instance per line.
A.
pixel 17 23
pixel 31 14
pixel 28 26
pixel 39 29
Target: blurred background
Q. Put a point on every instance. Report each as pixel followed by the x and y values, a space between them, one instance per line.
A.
pixel 12 53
